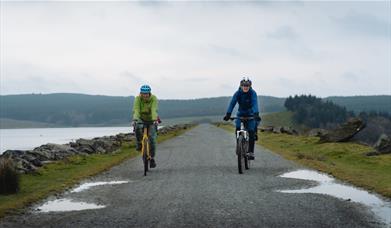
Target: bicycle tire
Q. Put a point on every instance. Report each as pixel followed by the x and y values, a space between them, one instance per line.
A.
pixel 240 153
pixel 145 157
pixel 246 161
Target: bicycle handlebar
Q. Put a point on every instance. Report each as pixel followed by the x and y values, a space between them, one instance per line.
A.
pixel 145 122
pixel 243 118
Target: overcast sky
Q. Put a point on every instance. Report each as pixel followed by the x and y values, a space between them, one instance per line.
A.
pixel 196 49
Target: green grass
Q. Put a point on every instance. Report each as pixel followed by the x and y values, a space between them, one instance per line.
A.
pixel 59 176
pixel 345 161
pixel 282 119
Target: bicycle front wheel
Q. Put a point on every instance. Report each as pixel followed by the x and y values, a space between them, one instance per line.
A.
pixel 145 157
pixel 239 152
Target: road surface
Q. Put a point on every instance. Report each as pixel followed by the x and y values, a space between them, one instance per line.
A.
pixel 196 184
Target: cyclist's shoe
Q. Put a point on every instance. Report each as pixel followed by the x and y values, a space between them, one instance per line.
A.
pixel 152 163
pixel 250 156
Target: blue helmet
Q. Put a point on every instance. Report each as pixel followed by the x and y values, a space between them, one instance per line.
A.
pixel 145 89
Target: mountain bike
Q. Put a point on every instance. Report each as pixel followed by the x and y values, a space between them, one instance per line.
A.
pixel 146 145
pixel 242 143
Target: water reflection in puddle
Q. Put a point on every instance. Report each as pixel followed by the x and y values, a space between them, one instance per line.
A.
pixel 328 186
pixel 93 184
pixel 67 205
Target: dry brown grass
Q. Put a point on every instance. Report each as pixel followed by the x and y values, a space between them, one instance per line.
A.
pixel 9 177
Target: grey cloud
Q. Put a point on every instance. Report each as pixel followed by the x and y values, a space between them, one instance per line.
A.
pixel 225 50
pixel 285 36
pixel 186 42
pixel 283 32
pixel 131 76
pixel 364 24
pixel 226 88
pixel 350 76
pixel 152 3
pixel 195 79
pixel 28 77
pixel 191 80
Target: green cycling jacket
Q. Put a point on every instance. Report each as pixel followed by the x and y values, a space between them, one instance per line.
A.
pixel 145 110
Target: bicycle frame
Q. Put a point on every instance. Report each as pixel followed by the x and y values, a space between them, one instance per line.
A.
pixel 243 130
pixel 144 141
pixel 145 145
pixel 242 141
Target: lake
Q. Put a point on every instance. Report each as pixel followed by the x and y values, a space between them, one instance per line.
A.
pixel 29 138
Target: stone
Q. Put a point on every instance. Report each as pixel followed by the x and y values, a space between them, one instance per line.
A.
pixel 382 146
pixel 277 130
pixel 54 151
pixel 266 128
pixel 345 132
pixel 289 131
pixel 317 132
pixel 28 161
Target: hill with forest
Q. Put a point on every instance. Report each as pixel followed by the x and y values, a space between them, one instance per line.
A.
pixel 65 109
pixel 80 110
pixel 357 104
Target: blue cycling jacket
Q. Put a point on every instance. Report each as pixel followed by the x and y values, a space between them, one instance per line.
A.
pixel 248 102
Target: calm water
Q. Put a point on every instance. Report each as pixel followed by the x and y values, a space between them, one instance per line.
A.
pixel 26 139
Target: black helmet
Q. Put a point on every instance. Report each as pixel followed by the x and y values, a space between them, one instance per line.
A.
pixel 245 81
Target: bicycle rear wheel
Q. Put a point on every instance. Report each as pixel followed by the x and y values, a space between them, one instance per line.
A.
pixel 245 151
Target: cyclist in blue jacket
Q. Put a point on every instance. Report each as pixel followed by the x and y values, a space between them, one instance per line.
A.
pixel 247 99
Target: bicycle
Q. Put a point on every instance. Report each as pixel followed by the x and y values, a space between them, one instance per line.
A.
pixel 146 145
pixel 242 143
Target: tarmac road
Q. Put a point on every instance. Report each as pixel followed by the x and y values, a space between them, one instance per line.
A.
pixel 196 184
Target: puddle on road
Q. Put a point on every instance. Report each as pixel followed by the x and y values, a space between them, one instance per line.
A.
pixel 67 205
pixel 93 184
pixel 328 186
pixel 63 205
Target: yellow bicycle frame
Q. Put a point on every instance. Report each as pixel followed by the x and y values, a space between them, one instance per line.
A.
pixel 145 143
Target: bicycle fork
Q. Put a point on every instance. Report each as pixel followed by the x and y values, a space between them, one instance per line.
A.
pixel 243 132
pixel 145 138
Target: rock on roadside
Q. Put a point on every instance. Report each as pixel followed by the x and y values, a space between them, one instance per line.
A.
pixel 345 132
pixel 382 146
pixel 28 161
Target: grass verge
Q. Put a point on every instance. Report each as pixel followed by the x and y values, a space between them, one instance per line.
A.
pixel 59 176
pixel 345 161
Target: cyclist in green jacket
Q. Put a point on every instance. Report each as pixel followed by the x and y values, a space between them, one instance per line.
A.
pixel 145 108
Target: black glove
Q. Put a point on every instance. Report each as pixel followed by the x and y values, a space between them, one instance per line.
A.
pixel 257 117
pixel 227 116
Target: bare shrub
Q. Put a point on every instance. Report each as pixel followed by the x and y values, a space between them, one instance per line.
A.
pixel 9 177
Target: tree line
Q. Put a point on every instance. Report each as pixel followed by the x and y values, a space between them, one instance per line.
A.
pixel 316 112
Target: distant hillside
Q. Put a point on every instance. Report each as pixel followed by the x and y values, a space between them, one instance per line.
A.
pixel 79 109
pixel 63 109
pixel 9 123
pixel 364 103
